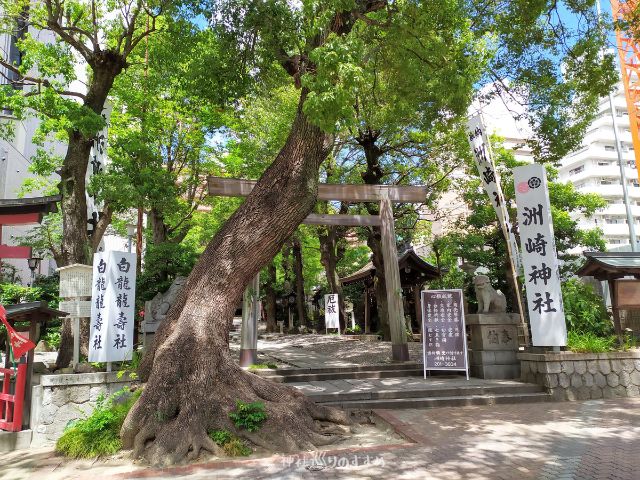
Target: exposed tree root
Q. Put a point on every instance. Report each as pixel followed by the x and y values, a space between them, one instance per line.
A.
pixel 170 424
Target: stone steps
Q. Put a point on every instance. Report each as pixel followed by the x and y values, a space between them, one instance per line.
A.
pixel 297 375
pixel 422 393
pixel 450 401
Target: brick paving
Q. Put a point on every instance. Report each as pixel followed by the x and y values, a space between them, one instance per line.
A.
pixel 597 439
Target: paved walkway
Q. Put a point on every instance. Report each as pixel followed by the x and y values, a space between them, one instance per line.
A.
pixel 581 440
pixel 395 384
pixel 298 355
pixel 591 440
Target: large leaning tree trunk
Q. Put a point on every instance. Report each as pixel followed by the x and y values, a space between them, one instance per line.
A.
pixel 195 382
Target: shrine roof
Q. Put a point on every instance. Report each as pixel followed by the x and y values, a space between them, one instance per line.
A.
pixel 610 265
pixel 413 270
pixel 43 205
pixel 23 312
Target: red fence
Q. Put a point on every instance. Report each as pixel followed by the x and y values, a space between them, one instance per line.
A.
pixel 11 404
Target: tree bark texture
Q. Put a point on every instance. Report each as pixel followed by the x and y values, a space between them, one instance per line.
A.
pixel 76 244
pixel 298 270
pixel 195 382
pixel 270 298
pixel 76 247
pixel 374 241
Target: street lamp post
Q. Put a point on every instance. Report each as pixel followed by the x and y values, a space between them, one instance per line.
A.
pixel 131 231
pixel 33 263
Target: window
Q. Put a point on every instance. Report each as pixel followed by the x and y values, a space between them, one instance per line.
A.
pixel 609 148
pixel 576 170
pixel 615 241
pixel 609 181
pixel 604 164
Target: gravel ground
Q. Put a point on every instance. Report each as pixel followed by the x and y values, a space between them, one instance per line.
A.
pixel 349 350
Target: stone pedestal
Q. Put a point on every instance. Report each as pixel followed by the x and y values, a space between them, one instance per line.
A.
pixel 494 345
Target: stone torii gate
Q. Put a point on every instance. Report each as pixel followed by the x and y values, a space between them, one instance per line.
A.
pixel 386 195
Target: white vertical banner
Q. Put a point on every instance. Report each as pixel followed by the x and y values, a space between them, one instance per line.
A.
pixel 541 268
pixel 481 148
pixel 331 311
pixel 113 301
pixel 97 162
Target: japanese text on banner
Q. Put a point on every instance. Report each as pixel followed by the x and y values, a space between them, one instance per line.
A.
pixel 112 307
pixel 539 259
pixel 331 311
pixel 479 143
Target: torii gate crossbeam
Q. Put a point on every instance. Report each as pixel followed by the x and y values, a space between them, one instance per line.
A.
pixel 385 195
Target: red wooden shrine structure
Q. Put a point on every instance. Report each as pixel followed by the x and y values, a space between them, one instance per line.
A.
pixel 11 404
pixel 23 211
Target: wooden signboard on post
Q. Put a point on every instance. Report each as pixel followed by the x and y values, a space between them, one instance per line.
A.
pixel 444 340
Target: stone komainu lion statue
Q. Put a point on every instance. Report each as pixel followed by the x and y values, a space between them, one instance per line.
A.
pixel 489 299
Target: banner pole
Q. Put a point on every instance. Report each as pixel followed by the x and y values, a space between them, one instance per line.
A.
pixel 500 207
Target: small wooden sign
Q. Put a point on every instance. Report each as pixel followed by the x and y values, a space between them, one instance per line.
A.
pixel 627 293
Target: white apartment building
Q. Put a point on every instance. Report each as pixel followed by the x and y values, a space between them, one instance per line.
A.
pixel 594 169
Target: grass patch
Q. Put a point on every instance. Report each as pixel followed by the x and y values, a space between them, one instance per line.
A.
pixel 249 416
pixel 263 366
pixel 232 445
pixel 98 435
pixel 591 343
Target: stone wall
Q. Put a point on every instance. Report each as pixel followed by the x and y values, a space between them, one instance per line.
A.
pixel 584 376
pixel 62 398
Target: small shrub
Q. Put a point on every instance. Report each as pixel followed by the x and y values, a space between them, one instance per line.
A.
pixel 236 448
pixel 221 437
pixel 98 434
pixel 590 343
pixel 249 416
pixel 232 446
pixel 52 338
pixel 356 330
pixel 584 309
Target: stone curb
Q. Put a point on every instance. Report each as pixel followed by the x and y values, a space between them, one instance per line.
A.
pixel 81 379
pixel 561 356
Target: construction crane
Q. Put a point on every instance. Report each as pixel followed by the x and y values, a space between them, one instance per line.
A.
pixel 629 52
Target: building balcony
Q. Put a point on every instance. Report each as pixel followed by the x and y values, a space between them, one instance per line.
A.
pixel 616 229
pixel 619 209
pixel 609 190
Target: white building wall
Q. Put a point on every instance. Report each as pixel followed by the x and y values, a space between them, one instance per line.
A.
pixel 594 169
